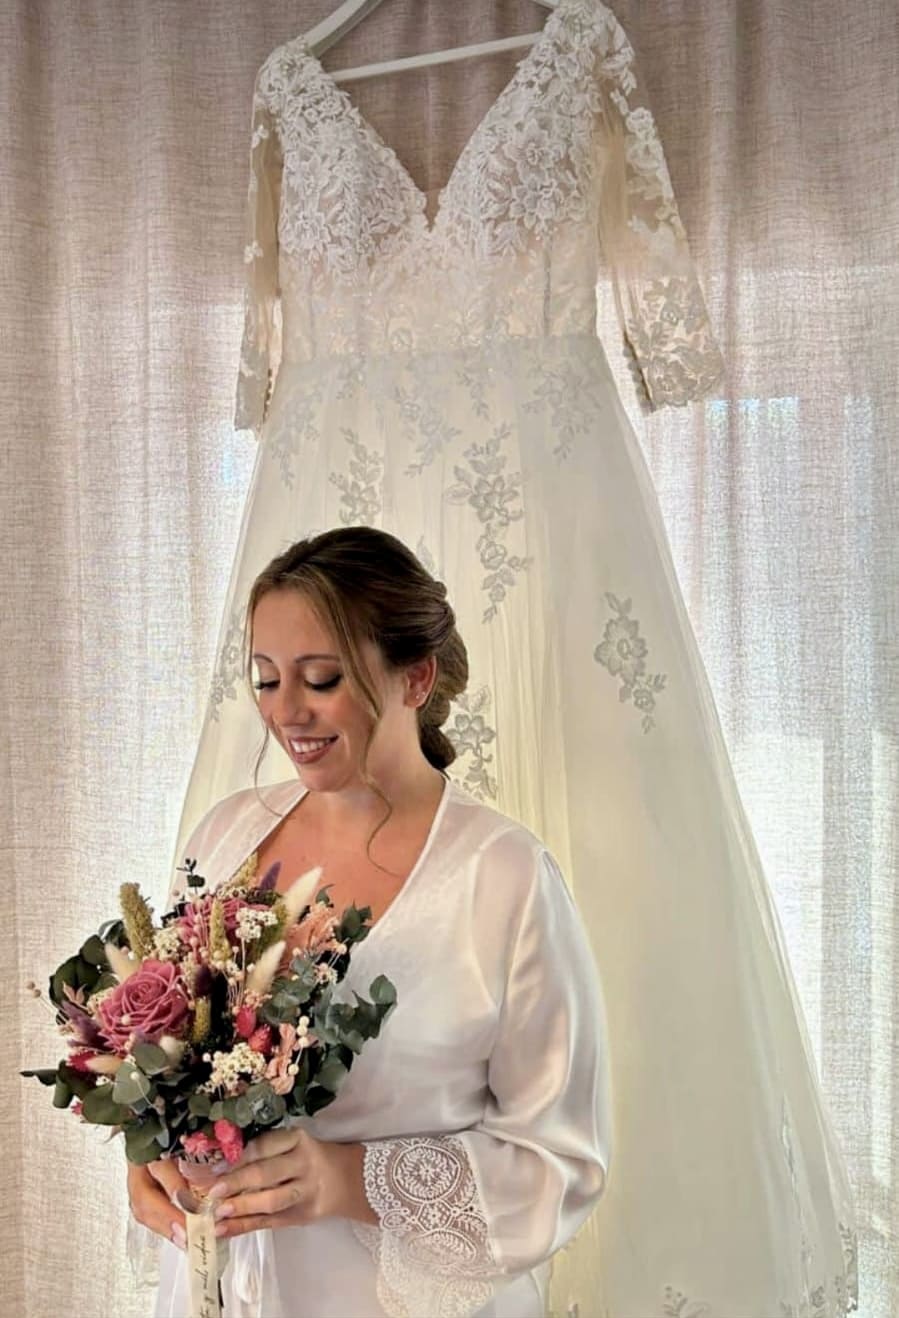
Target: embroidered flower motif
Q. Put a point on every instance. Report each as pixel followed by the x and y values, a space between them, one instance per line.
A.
pixel 471 734
pixel 623 652
pixel 252 252
pixel 495 496
pixel 361 497
pixel 228 665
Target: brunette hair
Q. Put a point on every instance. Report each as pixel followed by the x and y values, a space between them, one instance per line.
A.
pixel 364 584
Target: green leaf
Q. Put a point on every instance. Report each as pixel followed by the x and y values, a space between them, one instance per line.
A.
pixel 47 1076
pixel 151 1058
pixel 62 1094
pixel 100 1107
pixel 243 1111
pixel 382 992
pixel 217 1111
pixel 142 1140
pixel 79 1083
pixel 130 1085
pixel 94 953
pixel 331 1074
pixel 199 1105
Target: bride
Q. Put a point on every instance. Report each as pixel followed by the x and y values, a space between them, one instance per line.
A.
pixel 471 1140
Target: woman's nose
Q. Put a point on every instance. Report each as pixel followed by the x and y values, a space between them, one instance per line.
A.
pixel 291 707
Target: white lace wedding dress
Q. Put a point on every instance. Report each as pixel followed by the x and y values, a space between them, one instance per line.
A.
pixel 442 378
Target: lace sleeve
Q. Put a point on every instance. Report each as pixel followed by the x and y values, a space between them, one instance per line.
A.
pixel 260 349
pixel 660 304
pixel 432 1247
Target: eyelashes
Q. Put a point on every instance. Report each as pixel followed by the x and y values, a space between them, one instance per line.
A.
pixel 313 686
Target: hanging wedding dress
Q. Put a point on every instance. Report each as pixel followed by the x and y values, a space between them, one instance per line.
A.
pixel 442 378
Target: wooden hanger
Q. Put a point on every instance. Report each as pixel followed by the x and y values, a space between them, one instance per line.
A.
pixel 330 30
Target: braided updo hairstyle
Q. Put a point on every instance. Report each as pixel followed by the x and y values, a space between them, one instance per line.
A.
pixel 364 584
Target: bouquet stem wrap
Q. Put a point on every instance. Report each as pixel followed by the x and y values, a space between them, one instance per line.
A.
pixel 207 1256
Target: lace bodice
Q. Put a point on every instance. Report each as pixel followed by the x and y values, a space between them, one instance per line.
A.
pixel 563 175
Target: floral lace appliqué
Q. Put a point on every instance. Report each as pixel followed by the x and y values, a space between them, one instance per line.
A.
pixel 361 489
pixel 471 734
pixel 623 652
pixel 432 1247
pixel 495 496
pixel 229 665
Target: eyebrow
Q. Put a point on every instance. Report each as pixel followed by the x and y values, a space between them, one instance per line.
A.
pixel 300 659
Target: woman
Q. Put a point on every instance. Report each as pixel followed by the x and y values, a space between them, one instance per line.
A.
pixel 470 1141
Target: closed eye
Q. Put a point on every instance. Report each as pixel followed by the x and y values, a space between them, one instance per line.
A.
pixel 313 686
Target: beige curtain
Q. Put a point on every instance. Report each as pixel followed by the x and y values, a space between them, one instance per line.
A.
pixel 123 173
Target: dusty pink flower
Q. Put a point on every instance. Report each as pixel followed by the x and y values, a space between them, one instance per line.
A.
pixel 200 1145
pixel 230 1137
pixel 195 920
pixel 150 1003
pixel 261 1040
pixel 245 1022
pixel 314 930
pixel 276 1071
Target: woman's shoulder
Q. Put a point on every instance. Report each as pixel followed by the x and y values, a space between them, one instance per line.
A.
pixel 501 845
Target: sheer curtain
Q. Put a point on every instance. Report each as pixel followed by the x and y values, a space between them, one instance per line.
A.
pixel 123 169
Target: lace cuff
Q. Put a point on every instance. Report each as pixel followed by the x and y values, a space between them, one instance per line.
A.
pixel 660 304
pixel 432 1246
pixel 260 348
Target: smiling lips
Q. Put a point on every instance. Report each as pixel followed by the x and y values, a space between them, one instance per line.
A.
pixel 305 748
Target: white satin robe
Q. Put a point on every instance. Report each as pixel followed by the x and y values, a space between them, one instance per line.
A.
pixel 484 1105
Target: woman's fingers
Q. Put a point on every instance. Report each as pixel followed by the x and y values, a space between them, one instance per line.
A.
pixel 152 1207
pixel 256 1176
pixel 272 1145
pixel 258 1208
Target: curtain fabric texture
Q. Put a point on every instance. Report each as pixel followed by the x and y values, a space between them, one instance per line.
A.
pixel 121 300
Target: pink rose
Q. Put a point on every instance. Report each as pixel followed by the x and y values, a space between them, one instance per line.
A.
pixel 152 1002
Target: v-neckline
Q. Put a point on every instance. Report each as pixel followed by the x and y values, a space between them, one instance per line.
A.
pixel 544 41
pixel 416 869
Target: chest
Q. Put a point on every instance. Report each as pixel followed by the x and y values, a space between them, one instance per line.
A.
pixel 350 876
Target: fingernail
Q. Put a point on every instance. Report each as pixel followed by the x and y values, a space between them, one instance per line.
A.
pixel 223 1210
pixel 221 1228
pixel 218 1191
pixel 179 1236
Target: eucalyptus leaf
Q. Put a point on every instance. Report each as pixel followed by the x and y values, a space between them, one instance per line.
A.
pixel 47 1076
pixel 151 1058
pixel 62 1094
pixel 79 1083
pixel 243 1111
pixel 331 1074
pixel 199 1105
pixel 100 1107
pixel 94 953
pixel 130 1085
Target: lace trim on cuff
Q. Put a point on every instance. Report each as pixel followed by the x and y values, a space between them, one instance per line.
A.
pixel 432 1247
pixel 672 342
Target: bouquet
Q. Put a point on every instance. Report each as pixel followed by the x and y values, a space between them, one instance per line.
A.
pixel 194 1035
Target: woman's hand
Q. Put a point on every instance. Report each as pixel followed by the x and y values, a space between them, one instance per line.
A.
pixel 149 1191
pixel 287 1178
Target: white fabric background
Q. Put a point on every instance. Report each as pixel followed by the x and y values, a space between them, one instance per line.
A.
pixel 123 170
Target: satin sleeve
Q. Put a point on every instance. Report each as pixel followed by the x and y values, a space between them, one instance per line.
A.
pixel 644 246
pixel 462 1214
pixel 260 347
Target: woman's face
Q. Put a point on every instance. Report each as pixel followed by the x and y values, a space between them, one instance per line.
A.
pixel 306 702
